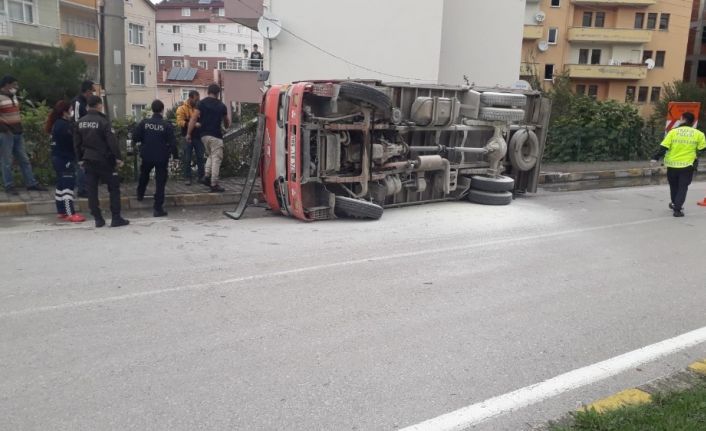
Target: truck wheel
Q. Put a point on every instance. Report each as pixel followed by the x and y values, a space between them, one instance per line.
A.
pixel 501 114
pixel 365 93
pixel 357 208
pixel 492 184
pixel 503 99
pixel 489 198
pixel 524 150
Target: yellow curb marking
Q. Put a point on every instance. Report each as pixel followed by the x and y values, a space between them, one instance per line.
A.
pixel 698 367
pixel 629 397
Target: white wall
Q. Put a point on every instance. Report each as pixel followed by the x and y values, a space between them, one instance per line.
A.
pixel 483 40
pixel 393 37
pixel 140 13
pixel 190 38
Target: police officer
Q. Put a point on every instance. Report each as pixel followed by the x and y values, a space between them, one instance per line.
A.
pixel 680 150
pixel 158 141
pixel 98 152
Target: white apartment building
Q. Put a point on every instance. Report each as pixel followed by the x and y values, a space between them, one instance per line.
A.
pixel 140 56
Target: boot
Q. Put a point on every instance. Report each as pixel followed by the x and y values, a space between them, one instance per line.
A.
pixel 100 221
pixel 119 221
pixel 159 213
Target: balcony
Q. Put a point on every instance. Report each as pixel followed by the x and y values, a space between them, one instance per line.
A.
pixel 633 3
pixel 609 35
pixel 533 32
pixel 242 65
pixel 5 27
pixel 528 69
pixel 604 71
pixel 89 4
pixel 83 45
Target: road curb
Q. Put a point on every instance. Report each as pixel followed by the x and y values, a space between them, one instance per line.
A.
pixel 127 202
pixel 694 374
pixel 568 177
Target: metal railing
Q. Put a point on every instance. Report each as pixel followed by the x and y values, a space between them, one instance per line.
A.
pixel 243 64
pixel 5 26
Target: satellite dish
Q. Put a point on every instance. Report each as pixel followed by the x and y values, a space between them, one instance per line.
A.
pixel 269 26
pixel 540 16
pixel 650 64
pixel 543 46
pixel 522 85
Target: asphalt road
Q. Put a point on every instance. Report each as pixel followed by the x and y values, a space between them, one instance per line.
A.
pixel 200 322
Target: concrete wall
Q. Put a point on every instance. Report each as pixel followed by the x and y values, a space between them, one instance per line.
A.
pixel 240 86
pixel 482 40
pixel 140 13
pixel 398 39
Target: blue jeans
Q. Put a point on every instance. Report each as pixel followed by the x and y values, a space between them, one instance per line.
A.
pixel 11 145
pixel 197 147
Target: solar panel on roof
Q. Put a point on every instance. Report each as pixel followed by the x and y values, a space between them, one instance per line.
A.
pixel 191 74
pixel 174 73
pixel 204 1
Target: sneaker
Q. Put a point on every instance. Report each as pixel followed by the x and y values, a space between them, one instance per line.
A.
pixel 37 188
pixel 217 189
pixel 61 216
pixel 12 191
pixel 159 213
pixel 187 182
pixel 678 213
pixel 671 206
pixel 76 218
pixel 119 221
pixel 100 222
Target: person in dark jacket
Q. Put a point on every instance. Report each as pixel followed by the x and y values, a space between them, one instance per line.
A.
pixel 63 159
pixel 158 142
pixel 97 150
pixel 80 108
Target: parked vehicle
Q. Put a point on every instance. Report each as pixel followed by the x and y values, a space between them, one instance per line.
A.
pixel 329 149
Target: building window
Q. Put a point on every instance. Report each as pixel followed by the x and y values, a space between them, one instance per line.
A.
pixel 241 47
pixel 555 3
pixel 596 56
pixel 639 20
pixel 203 64
pixel 659 59
pixel 664 21
pixel 642 94
pixel 202 47
pixel 177 47
pixel 548 72
pixel 222 65
pixel 651 21
pixel 646 55
pixel 221 11
pixel 583 56
pixel 553 35
pixel 135 34
pixel 703 35
pixel 78 27
pixel 185 11
pixel 581 89
pixel 21 10
pixel 593 91
pixel 221 28
pixel 630 94
pixel 137 110
pixel 176 29
pixel 137 75
pixel 600 19
pixel 177 63
pixel 701 69
pixel 587 19
pixel 221 47
pixel 656 93
pixel 185 93
pixel 202 28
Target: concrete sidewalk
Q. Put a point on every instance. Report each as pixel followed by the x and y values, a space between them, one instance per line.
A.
pixel 177 195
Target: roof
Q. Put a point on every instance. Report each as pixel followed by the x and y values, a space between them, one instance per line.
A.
pixel 201 78
pixel 173 4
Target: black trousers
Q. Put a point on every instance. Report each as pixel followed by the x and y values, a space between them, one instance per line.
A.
pixel 679 180
pixel 160 177
pixel 102 172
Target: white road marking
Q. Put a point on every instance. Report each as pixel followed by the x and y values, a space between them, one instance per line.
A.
pixel 480 412
pixel 373 259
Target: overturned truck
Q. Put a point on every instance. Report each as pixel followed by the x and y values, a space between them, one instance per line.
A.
pixel 352 148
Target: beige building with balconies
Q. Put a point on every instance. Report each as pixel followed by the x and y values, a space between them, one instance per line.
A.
pixel 623 50
pixel 140 56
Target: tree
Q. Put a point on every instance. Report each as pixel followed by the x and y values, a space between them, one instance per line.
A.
pixel 48 75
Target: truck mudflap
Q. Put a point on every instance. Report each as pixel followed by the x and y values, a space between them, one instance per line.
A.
pixel 252 172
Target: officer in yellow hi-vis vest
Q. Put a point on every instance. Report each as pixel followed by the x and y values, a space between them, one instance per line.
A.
pixel 680 150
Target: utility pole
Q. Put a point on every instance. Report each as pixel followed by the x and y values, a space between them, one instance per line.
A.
pixel 112 15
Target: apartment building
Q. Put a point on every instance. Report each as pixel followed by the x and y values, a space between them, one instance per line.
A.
pixel 140 56
pixel 622 50
pixel 695 67
pixel 80 25
pixel 29 24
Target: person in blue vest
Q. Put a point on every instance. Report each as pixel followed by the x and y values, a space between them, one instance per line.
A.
pixel 158 142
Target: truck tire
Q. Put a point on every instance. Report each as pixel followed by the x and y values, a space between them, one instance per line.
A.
pixel 489 198
pixel 360 92
pixel 492 184
pixel 503 99
pixel 524 150
pixel 501 114
pixel 357 208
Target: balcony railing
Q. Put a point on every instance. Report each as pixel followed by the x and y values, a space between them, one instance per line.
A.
pixel 5 26
pixel 533 32
pixel 243 64
pixel 614 2
pixel 605 71
pixel 609 35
